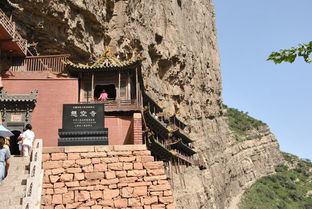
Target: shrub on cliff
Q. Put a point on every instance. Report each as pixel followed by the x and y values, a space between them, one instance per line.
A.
pixel 287 189
pixel 241 123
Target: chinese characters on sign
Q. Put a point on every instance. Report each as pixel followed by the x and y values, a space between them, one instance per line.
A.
pixel 83 116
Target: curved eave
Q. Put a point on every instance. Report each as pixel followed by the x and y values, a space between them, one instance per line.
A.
pixel 147 99
pixel 155 125
pixel 179 133
pixel 159 150
pixel 77 68
pixel 179 145
pixel 18 100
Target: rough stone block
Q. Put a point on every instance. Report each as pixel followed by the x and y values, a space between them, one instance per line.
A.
pixel 73 170
pixel 120 203
pixel 45 157
pixel 95 175
pixel 79 176
pixel 121 174
pixel 155 172
pixel 68 197
pixel 72 184
pixel 140 191
pixel 83 196
pixel 57 199
pixel 58 185
pixel 73 156
pixel 126 192
pixel 153 165
pixel 52 164
pixel 67 177
pixel 115 166
pixel 62 190
pixel 88 169
pixel 83 162
pixel 100 167
pixel 142 153
pixel 155 178
pixel 110 194
pixel 57 171
pixel 68 163
pixel 127 159
pixel 144 159
pixel 110 174
pixel 58 156
pixel 96 194
pixel 137 166
pixel 134 202
pixel 54 179
pixel 159 187
pixel 136 173
pixel 109 181
pixel 166 200
pixel 150 200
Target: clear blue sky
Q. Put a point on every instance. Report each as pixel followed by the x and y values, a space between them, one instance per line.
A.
pixel 280 95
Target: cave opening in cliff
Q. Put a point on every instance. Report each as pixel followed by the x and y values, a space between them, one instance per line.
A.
pixel 109 89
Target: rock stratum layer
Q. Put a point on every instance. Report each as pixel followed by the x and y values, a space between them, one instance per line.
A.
pixel 181 72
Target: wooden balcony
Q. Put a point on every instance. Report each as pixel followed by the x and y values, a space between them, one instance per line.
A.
pixel 10 39
pixel 119 105
pixel 51 63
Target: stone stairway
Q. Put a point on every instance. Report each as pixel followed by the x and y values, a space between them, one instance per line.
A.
pixel 13 187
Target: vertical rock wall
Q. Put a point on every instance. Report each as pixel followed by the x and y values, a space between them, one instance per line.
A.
pixel 181 72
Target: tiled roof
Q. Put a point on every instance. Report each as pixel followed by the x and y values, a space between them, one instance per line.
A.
pixel 5 97
pixel 105 62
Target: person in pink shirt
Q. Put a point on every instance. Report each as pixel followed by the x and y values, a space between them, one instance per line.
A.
pixel 103 96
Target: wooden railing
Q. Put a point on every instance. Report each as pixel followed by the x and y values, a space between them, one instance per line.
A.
pixel 10 27
pixel 118 104
pixel 34 181
pixel 52 63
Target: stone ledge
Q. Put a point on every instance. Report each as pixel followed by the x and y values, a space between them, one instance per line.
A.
pixel 73 149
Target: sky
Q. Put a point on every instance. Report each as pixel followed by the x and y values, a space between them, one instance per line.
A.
pixel 278 94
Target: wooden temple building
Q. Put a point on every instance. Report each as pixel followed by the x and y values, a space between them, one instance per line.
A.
pixel 35 88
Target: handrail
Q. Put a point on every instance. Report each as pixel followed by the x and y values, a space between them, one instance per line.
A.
pixel 10 27
pixel 52 63
pixel 32 199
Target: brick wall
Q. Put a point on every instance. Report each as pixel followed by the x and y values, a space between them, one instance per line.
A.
pixel 104 177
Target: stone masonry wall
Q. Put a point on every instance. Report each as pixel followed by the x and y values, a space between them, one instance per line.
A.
pixel 104 177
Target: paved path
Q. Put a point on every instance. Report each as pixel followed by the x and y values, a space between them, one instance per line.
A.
pixel 12 188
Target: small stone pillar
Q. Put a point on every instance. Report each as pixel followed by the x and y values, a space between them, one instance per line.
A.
pixel 137 128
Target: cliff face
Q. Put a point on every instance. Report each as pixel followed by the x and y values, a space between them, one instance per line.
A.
pixel 181 72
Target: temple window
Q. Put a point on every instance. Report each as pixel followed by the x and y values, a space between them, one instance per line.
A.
pixel 110 89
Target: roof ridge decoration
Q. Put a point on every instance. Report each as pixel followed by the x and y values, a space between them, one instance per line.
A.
pixel 107 61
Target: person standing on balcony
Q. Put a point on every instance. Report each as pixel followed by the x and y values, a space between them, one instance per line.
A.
pixel 28 137
pixel 103 96
pixel 4 159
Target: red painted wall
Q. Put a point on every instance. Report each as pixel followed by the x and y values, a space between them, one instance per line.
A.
pixel 118 127
pixel 47 115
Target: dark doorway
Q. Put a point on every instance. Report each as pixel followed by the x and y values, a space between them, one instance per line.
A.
pixel 110 90
pixel 13 143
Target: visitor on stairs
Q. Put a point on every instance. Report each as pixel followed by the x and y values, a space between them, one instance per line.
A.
pixel 4 159
pixel 28 137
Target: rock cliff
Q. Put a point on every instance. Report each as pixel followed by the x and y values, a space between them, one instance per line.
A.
pixel 181 72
